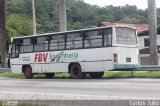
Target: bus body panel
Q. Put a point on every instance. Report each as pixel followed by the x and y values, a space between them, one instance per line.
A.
pixel 128 53
pixel 58 61
pixel 15 68
pixel 90 60
pixel 60 67
pixel 127 58
pixel 95 60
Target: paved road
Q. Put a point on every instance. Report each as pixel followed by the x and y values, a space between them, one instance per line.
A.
pixel 93 88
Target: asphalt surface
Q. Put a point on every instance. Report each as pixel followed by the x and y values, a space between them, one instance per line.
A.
pixel 95 88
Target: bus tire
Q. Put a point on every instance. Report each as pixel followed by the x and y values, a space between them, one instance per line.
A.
pixel 49 75
pixel 96 74
pixel 28 72
pixel 76 72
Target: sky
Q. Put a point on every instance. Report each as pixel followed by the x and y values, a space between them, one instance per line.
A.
pixel 141 4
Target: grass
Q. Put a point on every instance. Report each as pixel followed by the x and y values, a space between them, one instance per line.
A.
pixel 5 103
pixel 122 74
pixel 11 75
pixel 137 74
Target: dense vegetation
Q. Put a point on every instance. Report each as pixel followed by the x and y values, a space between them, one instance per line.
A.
pixel 79 15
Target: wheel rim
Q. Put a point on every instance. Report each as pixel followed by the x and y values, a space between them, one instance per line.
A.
pixel 27 72
pixel 76 71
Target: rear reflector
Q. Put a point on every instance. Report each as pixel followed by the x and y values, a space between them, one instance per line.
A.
pixel 115 56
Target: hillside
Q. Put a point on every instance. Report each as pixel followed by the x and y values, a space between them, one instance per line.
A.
pixel 79 15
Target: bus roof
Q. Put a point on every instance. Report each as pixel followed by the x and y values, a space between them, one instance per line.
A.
pixel 55 33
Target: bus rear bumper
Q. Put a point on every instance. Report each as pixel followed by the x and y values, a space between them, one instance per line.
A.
pixel 126 66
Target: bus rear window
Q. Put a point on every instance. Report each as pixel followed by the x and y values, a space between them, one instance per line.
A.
pixel 126 36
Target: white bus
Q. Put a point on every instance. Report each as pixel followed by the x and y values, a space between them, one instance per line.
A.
pixel 87 51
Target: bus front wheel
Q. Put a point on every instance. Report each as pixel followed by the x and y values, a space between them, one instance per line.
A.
pixel 49 75
pixel 28 72
pixel 76 72
pixel 96 74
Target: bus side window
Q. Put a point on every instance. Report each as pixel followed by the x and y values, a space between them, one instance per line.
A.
pixel 26 45
pixel 108 37
pixel 53 43
pixel 87 40
pixel 78 40
pixel 46 43
pixel 40 44
pixel 61 42
pixel 93 38
pixel 74 40
pixel 15 49
pixel 57 42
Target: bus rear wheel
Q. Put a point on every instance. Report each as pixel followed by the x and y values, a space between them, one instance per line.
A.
pixel 76 72
pixel 96 74
pixel 49 75
pixel 28 72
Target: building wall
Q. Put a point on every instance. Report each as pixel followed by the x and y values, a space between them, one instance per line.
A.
pixel 144 58
pixel 141 41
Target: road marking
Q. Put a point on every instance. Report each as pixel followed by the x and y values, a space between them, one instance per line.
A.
pixel 75 83
pixel 59 96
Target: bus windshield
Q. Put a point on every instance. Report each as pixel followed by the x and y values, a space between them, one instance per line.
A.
pixel 126 36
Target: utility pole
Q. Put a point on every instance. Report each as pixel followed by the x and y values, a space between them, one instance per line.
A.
pixel 2 34
pixel 34 17
pixel 62 15
pixel 152 15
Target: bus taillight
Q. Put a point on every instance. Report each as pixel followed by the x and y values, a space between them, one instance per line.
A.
pixel 115 58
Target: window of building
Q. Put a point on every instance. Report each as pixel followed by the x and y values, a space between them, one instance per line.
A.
pixel 146 42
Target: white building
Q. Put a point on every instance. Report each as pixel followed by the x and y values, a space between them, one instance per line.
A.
pixel 143 38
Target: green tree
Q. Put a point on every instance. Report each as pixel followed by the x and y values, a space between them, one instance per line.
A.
pixel 17 25
pixel 79 14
